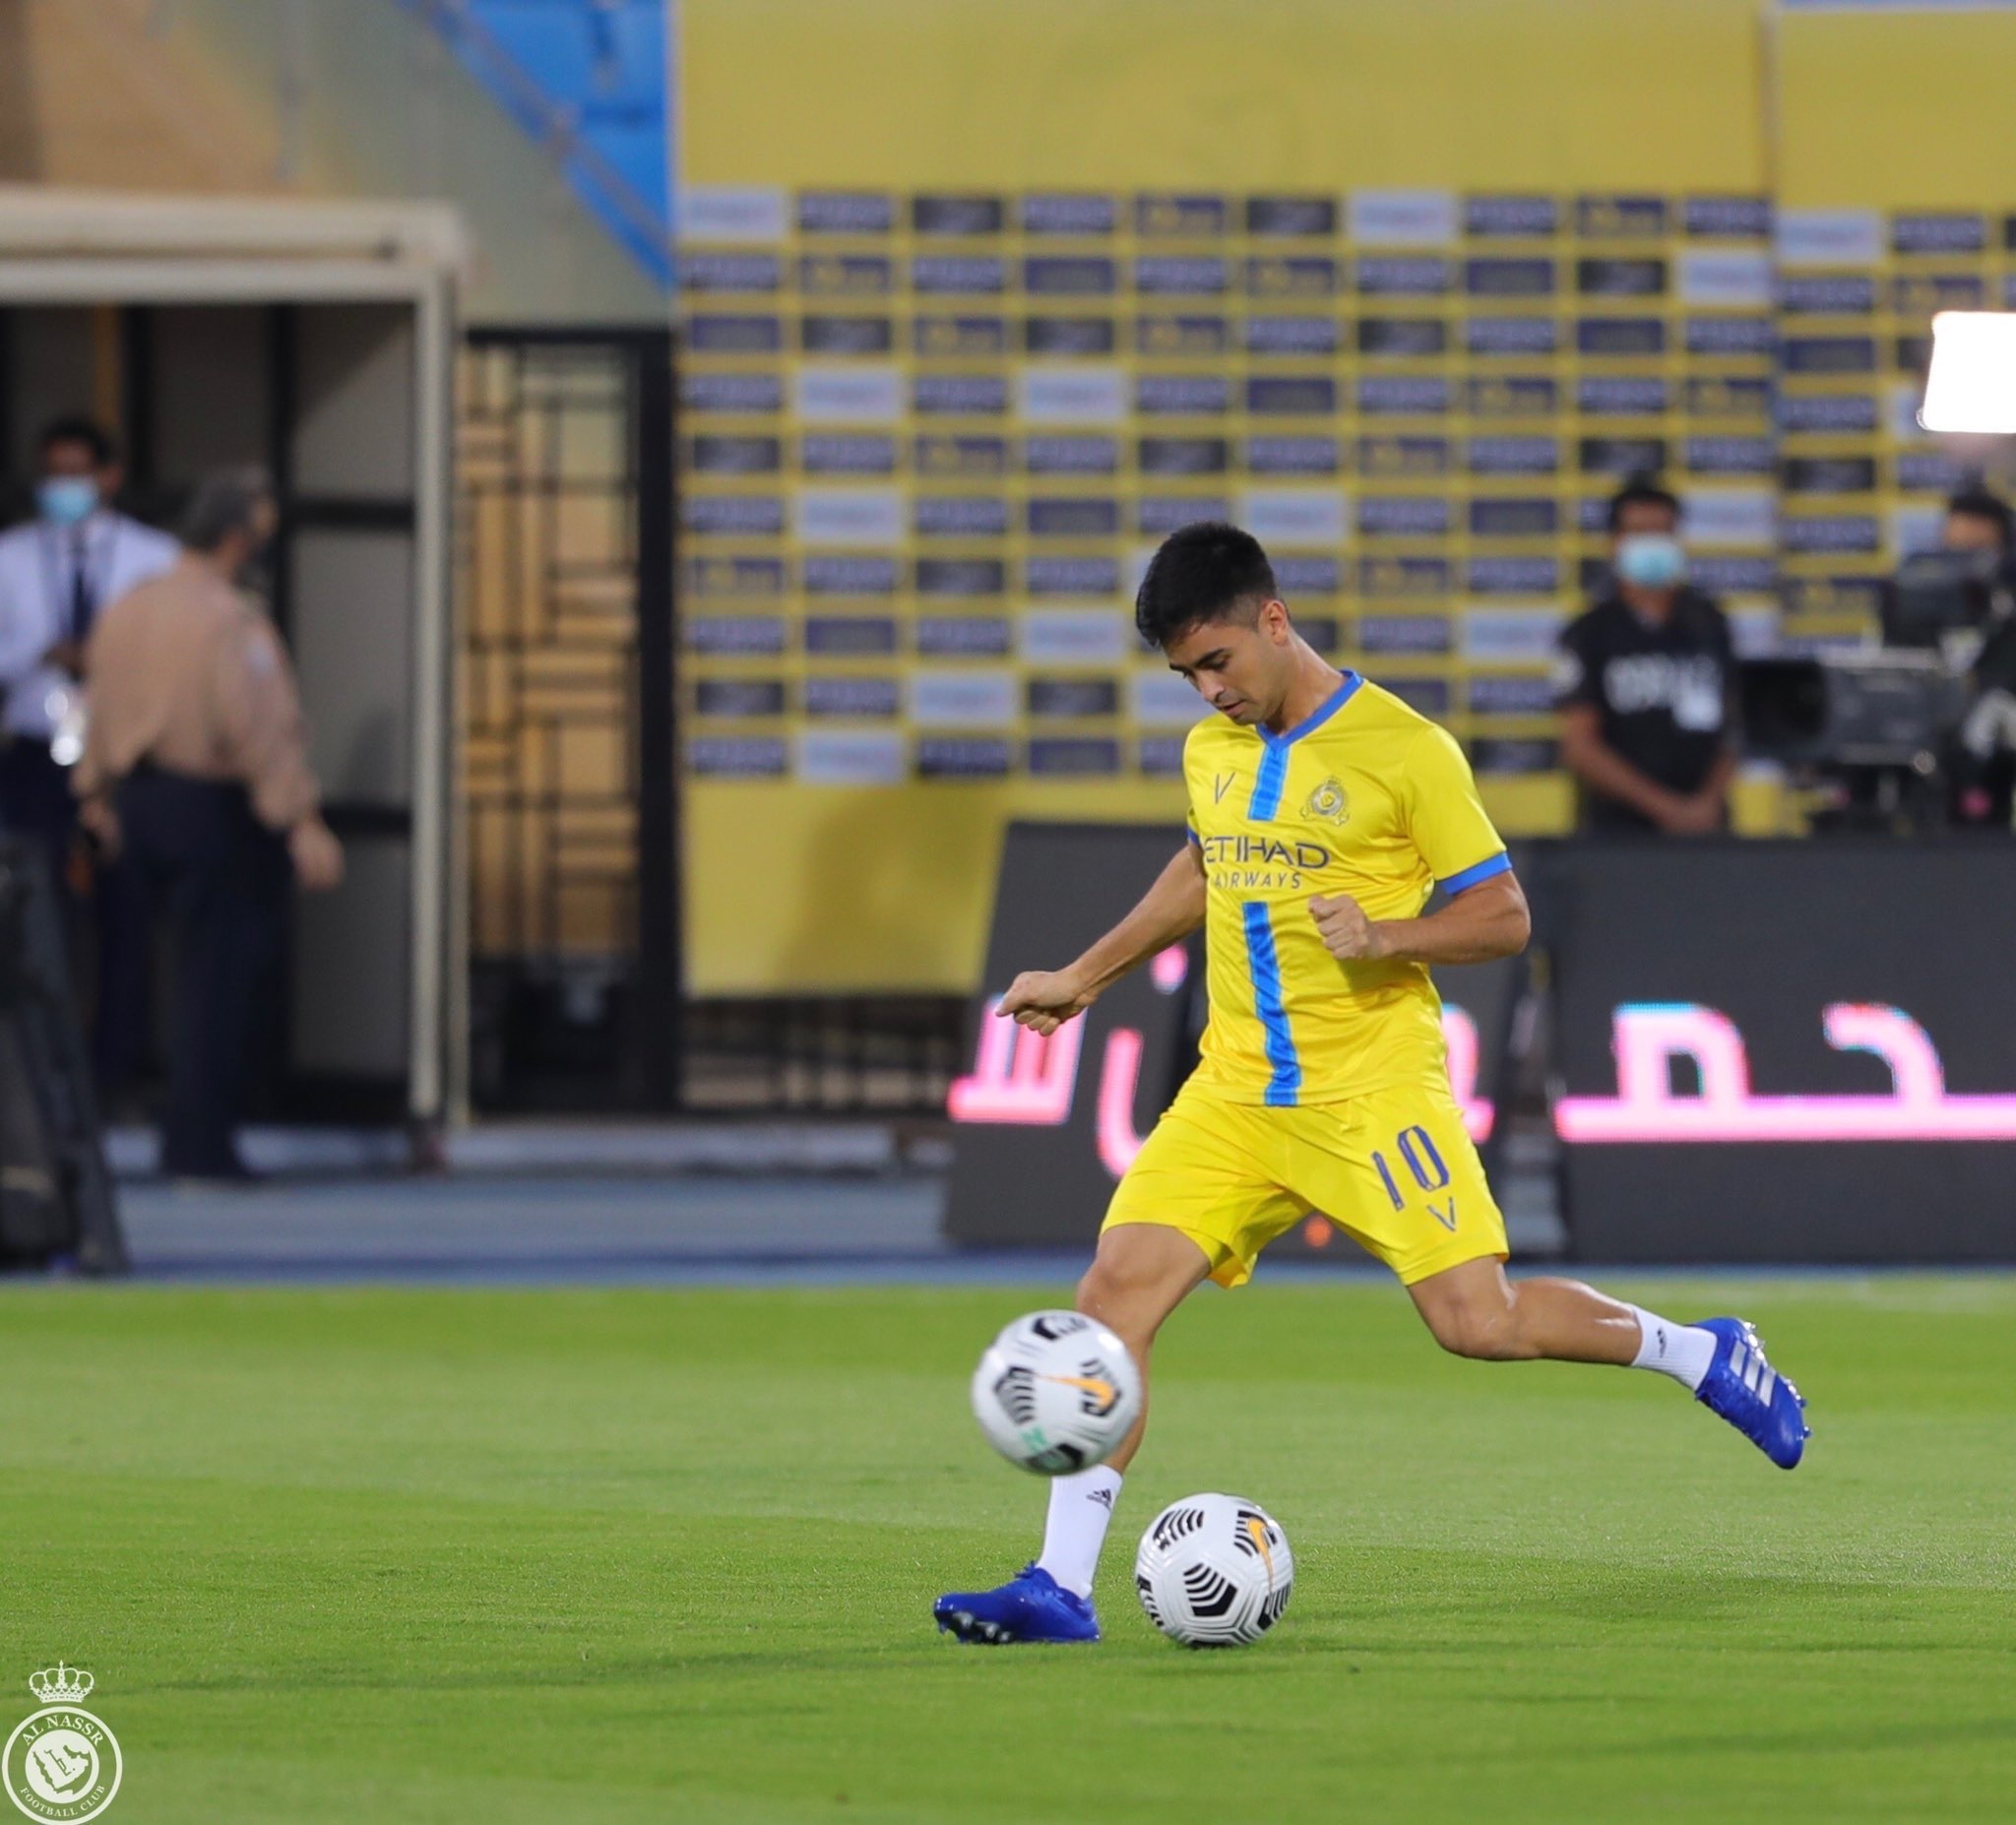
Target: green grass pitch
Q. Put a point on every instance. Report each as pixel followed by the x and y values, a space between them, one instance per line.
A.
pixel 643 1556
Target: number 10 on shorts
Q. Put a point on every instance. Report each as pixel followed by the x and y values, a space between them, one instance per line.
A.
pixel 1427 1167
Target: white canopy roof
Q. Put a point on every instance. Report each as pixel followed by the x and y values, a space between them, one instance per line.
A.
pixel 36 219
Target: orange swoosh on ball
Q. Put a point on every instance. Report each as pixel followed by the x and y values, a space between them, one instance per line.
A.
pixel 1090 1383
pixel 1259 1534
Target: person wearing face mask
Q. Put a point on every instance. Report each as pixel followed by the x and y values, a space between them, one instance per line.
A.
pixel 1644 682
pixel 195 765
pixel 56 575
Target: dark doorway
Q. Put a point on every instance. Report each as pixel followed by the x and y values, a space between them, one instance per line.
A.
pixel 564 555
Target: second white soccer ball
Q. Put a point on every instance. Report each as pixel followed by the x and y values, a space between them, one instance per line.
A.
pixel 1056 1392
pixel 1214 1571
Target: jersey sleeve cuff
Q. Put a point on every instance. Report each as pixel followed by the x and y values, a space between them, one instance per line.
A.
pixel 1501 863
pixel 1196 839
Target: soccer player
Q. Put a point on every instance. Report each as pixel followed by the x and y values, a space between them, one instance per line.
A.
pixel 1323 814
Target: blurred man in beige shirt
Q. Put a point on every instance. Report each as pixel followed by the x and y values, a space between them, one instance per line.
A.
pixel 195 768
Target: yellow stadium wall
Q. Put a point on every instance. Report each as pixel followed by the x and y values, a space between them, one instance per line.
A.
pixel 1906 109
pixel 889 887
pixel 792 886
pixel 1306 95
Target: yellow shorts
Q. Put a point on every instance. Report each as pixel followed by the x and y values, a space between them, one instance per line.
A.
pixel 1392 1168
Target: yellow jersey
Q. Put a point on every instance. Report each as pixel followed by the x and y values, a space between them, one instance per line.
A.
pixel 1366 797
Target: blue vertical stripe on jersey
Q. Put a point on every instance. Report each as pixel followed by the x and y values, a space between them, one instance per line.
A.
pixel 1268 779
pixel 1271 774
pixel 1285 1085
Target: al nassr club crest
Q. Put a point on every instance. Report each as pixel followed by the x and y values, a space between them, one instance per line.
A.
pixel 1330 803
pixel 61 1764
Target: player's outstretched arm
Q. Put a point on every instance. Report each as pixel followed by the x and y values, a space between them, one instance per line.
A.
pixel 1482 922
pixel 1172 908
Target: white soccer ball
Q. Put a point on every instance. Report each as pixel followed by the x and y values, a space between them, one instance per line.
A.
pixel 1056 1392
pixel 1214 1571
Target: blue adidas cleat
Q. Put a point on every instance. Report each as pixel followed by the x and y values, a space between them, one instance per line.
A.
pixel 1753 1397
pixel 1030 1607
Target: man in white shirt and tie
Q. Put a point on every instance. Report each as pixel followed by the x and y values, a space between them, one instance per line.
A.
pixel 58 573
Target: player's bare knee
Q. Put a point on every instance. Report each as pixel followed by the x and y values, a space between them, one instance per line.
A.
pixel 1454 1330
pixel 1132 1304
pixel 1483 1332
pixel 1096 1291
pixel 1111 1297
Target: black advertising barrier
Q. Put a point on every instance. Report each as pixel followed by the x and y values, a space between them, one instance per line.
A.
pixel 1038 1121
pixel 1044 1129
pixel 1769 1051
pixel 1786 1051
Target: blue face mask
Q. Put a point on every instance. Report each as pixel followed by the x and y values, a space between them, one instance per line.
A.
pixel 1651 560
pixel 64 500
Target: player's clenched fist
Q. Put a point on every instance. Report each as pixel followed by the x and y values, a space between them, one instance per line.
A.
pixel 1347 935
pixel 1042 1000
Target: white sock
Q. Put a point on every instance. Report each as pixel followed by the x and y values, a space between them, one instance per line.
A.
pixel 1081 1511
pixel 1681 1350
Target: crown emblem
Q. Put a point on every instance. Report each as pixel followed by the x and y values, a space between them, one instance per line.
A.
pixel 61 1684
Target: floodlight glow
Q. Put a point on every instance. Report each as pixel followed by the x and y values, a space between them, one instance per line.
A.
pixel 1972 386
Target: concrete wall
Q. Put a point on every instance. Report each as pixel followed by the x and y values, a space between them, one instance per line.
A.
pixel 320 98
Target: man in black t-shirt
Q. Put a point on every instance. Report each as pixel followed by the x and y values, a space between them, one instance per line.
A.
pixel 1981 759
pixel 1644 684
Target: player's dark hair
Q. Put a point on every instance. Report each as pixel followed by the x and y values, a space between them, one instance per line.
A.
pixel 1979 503
pixel 1642 491
pixel 1206 572
pixel 78 429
